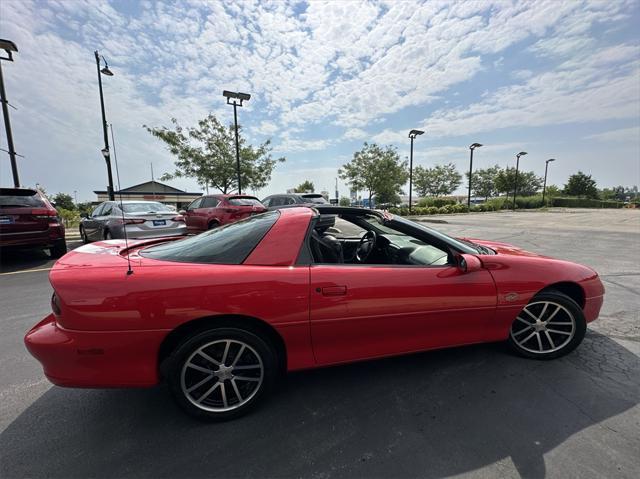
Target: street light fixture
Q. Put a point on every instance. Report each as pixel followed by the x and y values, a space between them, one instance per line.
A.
pixel 546 169
pixel 412 135
pixel 237 98
pixel 472 147
pixel 515 186
pixel 9 47
pixel 105 150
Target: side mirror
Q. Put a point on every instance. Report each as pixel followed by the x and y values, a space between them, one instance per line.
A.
pixel 468 263
pixel 182 212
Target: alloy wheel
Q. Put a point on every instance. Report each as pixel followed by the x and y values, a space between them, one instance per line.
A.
pixel 543 327
pixel 222 375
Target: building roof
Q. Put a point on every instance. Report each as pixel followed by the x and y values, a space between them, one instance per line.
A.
pixel 151 187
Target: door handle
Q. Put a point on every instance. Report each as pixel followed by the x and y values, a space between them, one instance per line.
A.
pixel 334 291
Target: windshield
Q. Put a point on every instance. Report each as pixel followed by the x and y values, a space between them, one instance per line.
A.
pixel 459 245
pixel 247 201
pixel 20 198
pixel 319 199
pixel 144 207
pixel 229 244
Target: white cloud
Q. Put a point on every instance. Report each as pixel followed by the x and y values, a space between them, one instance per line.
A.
pixel 619 135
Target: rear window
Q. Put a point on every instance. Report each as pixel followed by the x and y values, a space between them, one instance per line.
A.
pixel 244 202
pixel 229 244
pixel 144 207
pixel 12 198
pixel 314 199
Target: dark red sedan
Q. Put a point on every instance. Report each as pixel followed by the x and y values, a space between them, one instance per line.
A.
pixel 220 316
pixel 211 211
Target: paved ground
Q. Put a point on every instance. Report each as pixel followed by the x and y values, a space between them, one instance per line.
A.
pixel 475 412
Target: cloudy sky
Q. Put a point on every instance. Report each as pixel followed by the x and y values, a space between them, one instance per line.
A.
pixel 555 78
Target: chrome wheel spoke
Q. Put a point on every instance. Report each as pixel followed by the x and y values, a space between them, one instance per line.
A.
pixel 528 338
pixel 552 315
pixel 244 378
pixel 528 323
pixel 224 395
pixel 556 331
pixel 530 314
pixel 553 345
pixel 235 389
pixel 209 358
pixel 199 368
pixel 539 341
pixel 207 393
pixel 523 330
pixel 226 352
pixel 200 383
pixel 242 348
pixel 252 366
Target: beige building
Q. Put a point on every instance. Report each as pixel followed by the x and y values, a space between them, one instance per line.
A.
pixel 153 191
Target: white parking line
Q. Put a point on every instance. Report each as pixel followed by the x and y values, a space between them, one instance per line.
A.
pixel 25 271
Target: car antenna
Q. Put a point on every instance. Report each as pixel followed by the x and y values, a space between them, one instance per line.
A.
pixel 124 226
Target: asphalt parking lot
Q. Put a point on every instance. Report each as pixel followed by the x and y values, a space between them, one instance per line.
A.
pixel 474 412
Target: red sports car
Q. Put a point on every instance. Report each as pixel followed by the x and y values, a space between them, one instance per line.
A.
pixel 220 316
pixel 211 211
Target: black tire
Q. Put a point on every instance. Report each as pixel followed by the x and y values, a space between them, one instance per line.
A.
pixel 560 331
pixel 212 342
pixel 83 235
pixel 59 249
pixel 212 225
pixel 107 235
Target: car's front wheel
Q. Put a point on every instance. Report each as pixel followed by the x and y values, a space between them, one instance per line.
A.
pixel 550 326
pixel 59 249
pixel 222 373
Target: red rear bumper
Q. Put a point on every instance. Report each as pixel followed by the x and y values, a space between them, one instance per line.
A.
pixel 95 358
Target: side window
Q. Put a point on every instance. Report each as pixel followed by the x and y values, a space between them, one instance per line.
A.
pixel 195 204
pixel 276 201
pixel 106 211
pixel 209 202
pixel 97 211
pixel 289 201
pixel 266 202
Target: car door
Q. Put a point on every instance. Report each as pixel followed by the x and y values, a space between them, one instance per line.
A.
pixel 190 216
pixel 90 224
pixel 365 311
pixel 103 220
pixel 209 212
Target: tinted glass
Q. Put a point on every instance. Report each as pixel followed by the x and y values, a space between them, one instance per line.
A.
pixel 230 244
pixel 144 207
pixel 209 203
pixel 98 210
pixel 195 204
pixel 244 202
pixel 314 199
pixel 106 211
pixel 10 197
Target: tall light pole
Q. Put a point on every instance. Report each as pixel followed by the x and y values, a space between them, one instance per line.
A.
pixel 105 150
pixel 546 169
pixel 515 186
pixel 9 47
pixel 412 135
pixel 229 95
pixel 472 147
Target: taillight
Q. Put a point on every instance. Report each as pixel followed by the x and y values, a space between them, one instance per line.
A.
pixel 55 303
pixel 178 218
pixel 131 221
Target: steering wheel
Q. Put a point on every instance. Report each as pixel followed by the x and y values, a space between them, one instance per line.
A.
pixel 366 245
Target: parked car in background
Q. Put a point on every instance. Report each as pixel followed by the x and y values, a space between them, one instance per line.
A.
pixel 274 202
pixel 29 220
pixel 211 211
pixel 142 219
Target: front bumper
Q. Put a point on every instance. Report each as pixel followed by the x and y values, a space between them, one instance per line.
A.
pixel 95 359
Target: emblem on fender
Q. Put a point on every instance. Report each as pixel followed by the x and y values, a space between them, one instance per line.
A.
pixel 511 296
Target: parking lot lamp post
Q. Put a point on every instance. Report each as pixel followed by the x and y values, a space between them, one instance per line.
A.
pixel 105 150
pixel 546 169
pixel 472 147
pixel 9 47
pixel 237 98
pixel 515 185
pixel 412 135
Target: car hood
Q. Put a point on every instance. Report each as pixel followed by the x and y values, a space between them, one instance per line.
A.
pixel 504 248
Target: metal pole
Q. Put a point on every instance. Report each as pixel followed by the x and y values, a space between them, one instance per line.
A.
pixel 515 186
pixel 544 188
pixel 107 157
pixel 7 126
pixel 235 119
pixel 470 171
pixel 410 174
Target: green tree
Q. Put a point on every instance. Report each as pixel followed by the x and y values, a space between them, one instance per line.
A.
pixel 528 182
pixel 581 184
pixel 483 183
pixel 305 187
pixel 552 191
pixel 63 200
pixel 85 208
pixel 376 170
pixel 206 153
pixel 344 201
pixel 440 180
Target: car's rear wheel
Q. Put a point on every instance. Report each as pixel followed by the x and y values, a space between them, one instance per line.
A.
pixel 213 224
pixel 222 373
pixel 107 235
pixel 550 326
pixel 59 249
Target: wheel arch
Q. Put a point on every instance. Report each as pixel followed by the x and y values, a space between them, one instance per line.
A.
pixel 571 289
pixel 255 325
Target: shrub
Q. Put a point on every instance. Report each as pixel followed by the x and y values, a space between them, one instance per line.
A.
pixel 437 202
pixel 585 203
